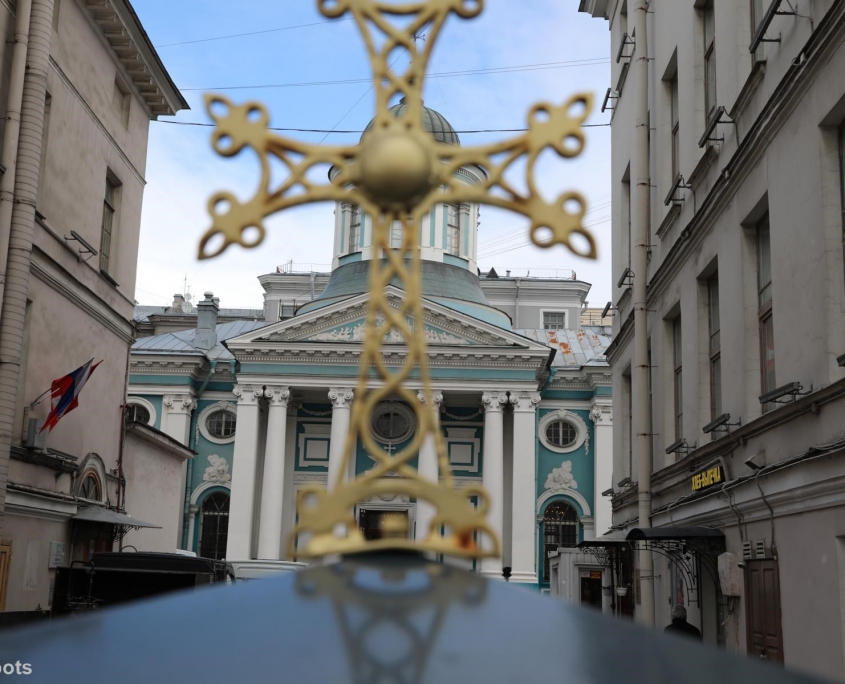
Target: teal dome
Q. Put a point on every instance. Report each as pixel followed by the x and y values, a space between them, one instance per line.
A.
pixel 433 122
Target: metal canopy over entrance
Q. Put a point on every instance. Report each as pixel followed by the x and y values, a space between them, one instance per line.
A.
pixel 686 548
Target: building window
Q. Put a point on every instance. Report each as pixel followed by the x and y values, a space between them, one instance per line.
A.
pixel 678 365
pixel 135 413
pixel 121 102
pixel 757 14
pixel 764 289
pixel 392 423
pixel 554 320
pixel 453 230
pixel 214 526
pixel 715 346
pixel 355 231
pixel 561 433
pixel 560 531
pixel 842 170
pixel 626 207
pixel 396 234
pixel 89 488
pixel 709 19
pixel 109 210
pixel 676 125
pixel 221 424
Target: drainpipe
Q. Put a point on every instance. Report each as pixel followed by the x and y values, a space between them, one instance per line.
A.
pixel 516 308
pixel 192 445
pixel 22 226
pixel 642 410
pixel 11 134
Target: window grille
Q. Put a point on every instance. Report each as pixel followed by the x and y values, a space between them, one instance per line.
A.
pixel 764 289
pixel 214 526
pixel 560 530
pixel 677 362
pixel 221 424
pixel 715 347
pixel 355 231
pixel 554 320
pixel 453 231
pixel 135 413
pixel 109 204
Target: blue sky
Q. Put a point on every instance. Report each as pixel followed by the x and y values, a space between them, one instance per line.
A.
pixel 183 172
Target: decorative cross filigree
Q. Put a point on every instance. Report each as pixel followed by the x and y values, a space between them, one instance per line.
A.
pixel 396 175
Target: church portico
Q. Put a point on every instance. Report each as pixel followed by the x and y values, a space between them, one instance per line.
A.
pixel 522 412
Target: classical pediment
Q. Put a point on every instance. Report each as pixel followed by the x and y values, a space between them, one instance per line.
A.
pixel 346 322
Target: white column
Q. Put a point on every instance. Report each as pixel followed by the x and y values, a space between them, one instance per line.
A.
pixel 493 466
pixel 524 520
pixel 341 398
pixel 244 463
pixel 273 487
pixel 602 415
pixel 176 422
pixel 428 466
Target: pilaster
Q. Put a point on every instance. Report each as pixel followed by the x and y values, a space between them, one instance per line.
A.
pixel 602 417
pixel 341 398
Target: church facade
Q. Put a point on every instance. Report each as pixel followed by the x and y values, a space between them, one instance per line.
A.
pixel 521 388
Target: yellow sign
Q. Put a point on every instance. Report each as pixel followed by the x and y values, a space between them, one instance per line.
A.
pixel 708 478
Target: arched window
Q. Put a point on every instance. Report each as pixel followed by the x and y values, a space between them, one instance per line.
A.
pixel 453 230
pixel 135 413
pixel 89 488
pixel 560 530
pixel 355 230
pixel 214 526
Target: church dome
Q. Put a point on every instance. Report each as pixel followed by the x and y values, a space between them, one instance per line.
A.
pixel 433 122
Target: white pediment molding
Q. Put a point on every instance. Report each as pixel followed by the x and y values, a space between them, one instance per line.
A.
pixel 445 328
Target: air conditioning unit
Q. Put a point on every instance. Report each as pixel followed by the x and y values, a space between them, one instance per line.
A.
pixel 35 439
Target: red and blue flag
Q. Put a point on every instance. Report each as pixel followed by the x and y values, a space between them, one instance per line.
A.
pixel 64 393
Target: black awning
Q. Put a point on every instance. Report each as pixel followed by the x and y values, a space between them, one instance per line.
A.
pixel 616 538
pixel 674 533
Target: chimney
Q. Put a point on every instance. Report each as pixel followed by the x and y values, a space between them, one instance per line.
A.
pixel 178 303
pixel 207 311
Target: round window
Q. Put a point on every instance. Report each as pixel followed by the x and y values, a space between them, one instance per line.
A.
pixel 221 424
pixel 135 413
pixel 561 433
pixel 392 423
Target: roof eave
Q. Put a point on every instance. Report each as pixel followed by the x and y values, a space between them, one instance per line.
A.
pixel 130 43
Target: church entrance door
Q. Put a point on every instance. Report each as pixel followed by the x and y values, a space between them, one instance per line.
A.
pixel 372 521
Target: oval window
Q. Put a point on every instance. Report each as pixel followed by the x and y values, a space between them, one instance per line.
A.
pixel 561 433
pixel 391 424
pixel 221 424
pixel 135 413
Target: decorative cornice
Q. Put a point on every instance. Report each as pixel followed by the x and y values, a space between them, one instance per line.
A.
pixel 341 397
pixel 124 33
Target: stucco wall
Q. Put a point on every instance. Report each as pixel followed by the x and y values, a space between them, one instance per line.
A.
pixel 153 494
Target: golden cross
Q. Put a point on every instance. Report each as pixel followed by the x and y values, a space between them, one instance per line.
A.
pixel 397 173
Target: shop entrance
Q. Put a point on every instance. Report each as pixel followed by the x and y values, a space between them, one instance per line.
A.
pixel 591 589
pixel 762 610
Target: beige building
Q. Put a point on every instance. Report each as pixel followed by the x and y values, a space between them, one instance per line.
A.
pixel 80 83
pixel 727 173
